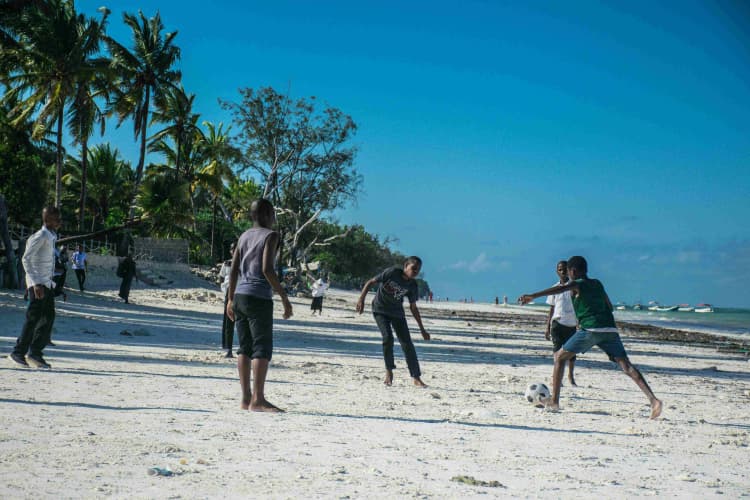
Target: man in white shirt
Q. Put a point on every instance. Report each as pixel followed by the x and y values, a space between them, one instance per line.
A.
pixel 80 265
pixel 562 321
pixel 319 288
pixel 39 264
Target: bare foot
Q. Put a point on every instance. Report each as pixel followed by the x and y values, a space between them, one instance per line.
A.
pixel 655 409
pixel 550 405
pixel 264 406
pixel 245 405
pixel 418 382
pixel 573 382
pixel 388 378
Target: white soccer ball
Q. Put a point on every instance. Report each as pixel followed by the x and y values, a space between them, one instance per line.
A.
pixel 536 391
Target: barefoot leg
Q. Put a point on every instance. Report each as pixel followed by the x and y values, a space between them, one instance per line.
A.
pixel 571 366
pixel 418 382
pixel 633 372
pixel 655 408
pixel 243 367
pixel 388 378
pixel 258 401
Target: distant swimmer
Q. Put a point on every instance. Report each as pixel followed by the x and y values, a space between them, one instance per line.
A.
pixel 597 327
pixel 388 311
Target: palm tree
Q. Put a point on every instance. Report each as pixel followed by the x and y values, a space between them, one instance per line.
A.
pixel 46 50
pixel 110 181
pixel 175 110
pixel 84 112
pixel 145 72
pixel 219 154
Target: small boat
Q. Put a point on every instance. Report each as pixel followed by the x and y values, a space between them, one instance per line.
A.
pixel 653 305
pixel 637 307
pixel 665 308
pixel 704 308
pixel 685 308
pixel 621 307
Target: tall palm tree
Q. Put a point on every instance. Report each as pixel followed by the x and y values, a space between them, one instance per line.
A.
pixel 46 50
pixel 218 154
pixel 84 113
pixel 146 72
pixel 175 110
pixel 110 180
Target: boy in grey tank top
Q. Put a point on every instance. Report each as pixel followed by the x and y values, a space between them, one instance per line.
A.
pixel 252 281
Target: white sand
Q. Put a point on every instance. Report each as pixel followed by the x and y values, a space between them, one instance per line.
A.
pixel 114 406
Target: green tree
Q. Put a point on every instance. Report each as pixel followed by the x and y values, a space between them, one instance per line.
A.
pixel 47 49
pixel 23 170
pixel 85 113
pixel 146 72
pixel 111 181
pixel 302 155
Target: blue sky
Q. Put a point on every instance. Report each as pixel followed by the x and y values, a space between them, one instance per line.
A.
pixel 495 140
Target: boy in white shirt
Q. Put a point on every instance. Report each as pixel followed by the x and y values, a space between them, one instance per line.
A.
pixel 561 322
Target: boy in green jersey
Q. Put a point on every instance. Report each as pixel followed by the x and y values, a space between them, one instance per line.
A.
pixel 596 328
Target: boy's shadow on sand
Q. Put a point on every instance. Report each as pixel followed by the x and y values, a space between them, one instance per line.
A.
pixel 456 422
pixel 100 407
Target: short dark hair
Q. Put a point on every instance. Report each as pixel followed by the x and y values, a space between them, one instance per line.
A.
pixel 578 262
pixel 48 211
pixel 260 208
pixel 563 262
pixel 413 260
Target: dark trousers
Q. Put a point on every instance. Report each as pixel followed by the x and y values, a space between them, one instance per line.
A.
pixel 387 324
pixel 81 275
pixel 227 327
pixel 37 330
pixel 127 281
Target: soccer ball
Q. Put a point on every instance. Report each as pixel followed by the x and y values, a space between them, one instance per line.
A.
pixel 536 391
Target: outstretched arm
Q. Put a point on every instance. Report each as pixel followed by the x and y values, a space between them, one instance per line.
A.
pixel 418 317
pixel 365 289
pixel 555 290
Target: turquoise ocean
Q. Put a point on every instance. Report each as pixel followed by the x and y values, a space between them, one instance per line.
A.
pixel 723 321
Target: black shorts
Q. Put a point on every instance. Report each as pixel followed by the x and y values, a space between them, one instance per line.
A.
pixel 317 304
pixel 560 334
pixel 253 318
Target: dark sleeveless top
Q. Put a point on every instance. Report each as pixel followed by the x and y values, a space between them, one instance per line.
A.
pixel 251 280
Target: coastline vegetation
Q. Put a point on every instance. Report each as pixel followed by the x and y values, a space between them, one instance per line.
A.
pixel 62 75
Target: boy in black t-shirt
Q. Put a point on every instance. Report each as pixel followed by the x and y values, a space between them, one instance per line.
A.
pixel 388 310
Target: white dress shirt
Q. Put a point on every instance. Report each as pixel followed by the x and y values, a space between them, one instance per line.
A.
pixel 39 258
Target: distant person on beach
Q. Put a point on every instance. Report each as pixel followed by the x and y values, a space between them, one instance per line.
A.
pixel 319 288
pixel 126 271
pixel 227 325
pixel 80 265
pixel 561 321
pixel 61 271
pixel 39 264
pixel 252 281
pixel 596 328
pixel 388 310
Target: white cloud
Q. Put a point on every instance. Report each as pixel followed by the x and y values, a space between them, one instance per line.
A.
pixel 481 263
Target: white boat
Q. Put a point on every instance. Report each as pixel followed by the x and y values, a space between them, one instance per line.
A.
pixel 621 307
pixel 637 307
pixel 685 308
pixel 664 308
pixel 704 308
pixel 653 305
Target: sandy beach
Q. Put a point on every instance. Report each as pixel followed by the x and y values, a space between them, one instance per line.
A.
pixel 145 385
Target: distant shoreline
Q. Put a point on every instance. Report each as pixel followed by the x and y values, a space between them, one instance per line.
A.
pixel 630 329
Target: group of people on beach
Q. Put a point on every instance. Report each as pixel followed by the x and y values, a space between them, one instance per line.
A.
pixel 580 314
